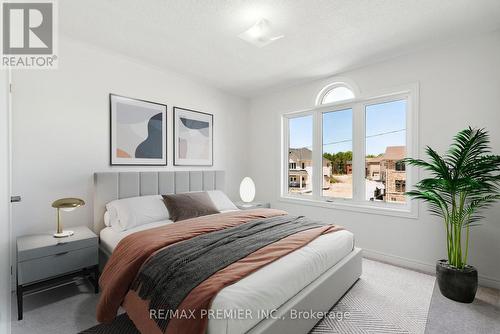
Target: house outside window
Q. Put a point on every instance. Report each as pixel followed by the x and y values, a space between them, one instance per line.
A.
pixel 352 147
pixel 303 156
pixel 299 148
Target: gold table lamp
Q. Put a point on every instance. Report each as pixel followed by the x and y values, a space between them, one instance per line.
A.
pixel 65 204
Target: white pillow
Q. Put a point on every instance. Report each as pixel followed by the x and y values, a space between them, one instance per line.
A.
pixel 107 220
pixel 221 201
pixel 130 212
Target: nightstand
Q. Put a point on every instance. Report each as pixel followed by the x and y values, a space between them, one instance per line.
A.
pixel 43 261
pixel 252 205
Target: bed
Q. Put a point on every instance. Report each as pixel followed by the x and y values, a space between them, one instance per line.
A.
pixel 313 277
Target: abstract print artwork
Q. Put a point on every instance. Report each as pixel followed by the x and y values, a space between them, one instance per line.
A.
pixel 138 132
pixel 193 138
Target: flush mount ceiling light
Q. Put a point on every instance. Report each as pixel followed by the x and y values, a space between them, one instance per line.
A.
pixel 260 34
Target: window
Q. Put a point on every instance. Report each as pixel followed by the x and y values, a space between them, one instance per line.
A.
pixel 351 148
pixel 337 151
pixel 385 147
pixel 400 166
pixel 400 186
pixel 343 90
pixel 300 144
pixel 337 94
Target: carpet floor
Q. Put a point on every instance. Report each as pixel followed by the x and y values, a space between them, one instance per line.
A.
pixel 386 299
pixel 482 316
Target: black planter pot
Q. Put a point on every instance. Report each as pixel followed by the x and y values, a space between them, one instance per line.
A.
pixel 457 284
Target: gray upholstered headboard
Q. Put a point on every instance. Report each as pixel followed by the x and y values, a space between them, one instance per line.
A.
pixel 109 186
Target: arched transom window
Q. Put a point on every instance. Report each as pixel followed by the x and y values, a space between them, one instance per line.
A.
pixel 336 92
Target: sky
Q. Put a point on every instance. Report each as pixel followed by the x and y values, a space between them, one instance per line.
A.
pixel 337 129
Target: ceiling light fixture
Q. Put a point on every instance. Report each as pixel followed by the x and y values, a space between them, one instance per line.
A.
pixel 260 34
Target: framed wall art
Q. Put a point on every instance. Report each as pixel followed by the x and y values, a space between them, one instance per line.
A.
pixel 193 138
pixel 138 132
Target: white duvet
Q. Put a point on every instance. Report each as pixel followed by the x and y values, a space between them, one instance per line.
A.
pixel 269 287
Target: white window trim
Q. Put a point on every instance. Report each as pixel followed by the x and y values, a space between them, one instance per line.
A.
pixel 410 92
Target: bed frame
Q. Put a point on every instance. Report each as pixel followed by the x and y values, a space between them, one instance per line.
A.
pixel 319 295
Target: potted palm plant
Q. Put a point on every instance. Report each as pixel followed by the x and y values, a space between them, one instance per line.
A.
pixel 462 183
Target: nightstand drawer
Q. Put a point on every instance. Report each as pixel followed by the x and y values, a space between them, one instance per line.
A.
pixel 59 248
pixel 57 264
pixel 32 247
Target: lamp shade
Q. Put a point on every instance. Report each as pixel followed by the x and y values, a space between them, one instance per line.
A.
pixel 247 190
pixel 68 204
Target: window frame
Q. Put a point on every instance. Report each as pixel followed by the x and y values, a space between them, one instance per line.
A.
pixel 410 93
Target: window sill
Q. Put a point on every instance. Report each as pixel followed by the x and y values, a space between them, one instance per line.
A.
pixel 386 210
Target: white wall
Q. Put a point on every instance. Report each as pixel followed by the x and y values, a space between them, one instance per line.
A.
pixel 4 205
pixel 459 86
pixel 61 128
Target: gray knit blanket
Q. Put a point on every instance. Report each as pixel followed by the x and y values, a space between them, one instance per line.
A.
pixel 170 275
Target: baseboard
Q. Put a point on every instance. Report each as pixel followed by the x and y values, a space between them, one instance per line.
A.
pixel 423 267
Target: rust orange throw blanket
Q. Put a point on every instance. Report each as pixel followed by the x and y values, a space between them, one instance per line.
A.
pixel 134 250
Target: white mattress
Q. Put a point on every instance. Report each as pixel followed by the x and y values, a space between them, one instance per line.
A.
pixel 269 287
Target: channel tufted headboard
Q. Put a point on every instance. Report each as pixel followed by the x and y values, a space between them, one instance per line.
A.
pixel 109 186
